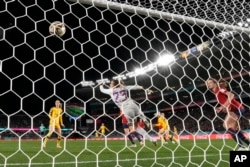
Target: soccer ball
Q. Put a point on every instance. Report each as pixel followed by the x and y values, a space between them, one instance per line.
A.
pixel 57 28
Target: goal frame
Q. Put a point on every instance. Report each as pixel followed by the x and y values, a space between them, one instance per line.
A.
pixel 160 14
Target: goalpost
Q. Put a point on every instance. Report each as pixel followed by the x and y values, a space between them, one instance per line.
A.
pixel 169 47
pixel 153 11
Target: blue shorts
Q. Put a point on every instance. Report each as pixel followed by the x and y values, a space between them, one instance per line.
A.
pixel 125 126
pixel 240 112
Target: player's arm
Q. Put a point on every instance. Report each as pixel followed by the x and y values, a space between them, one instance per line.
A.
pixel 225 107
pixel 230 97
pixel 219 109
pixel 168 127
pixel 61 121
pixel 105 91
pixel 167 124
pixel 107 129
pixel 157 124
pixel 50 113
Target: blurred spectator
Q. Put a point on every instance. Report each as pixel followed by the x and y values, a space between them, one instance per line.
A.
pixel 42 129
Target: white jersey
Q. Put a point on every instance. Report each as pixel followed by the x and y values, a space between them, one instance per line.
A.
pixel 119 95
pixel 128 106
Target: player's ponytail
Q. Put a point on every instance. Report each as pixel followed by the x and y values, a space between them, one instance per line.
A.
pixel 223 83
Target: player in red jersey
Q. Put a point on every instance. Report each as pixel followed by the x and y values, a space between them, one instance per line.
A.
pixel 232 107
pixel 141 123
pixel 140 128
pixel 128 133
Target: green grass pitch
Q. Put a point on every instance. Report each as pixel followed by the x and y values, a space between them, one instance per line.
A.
pixel 109 153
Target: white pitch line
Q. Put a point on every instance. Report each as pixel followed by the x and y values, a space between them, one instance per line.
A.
pixel 122 160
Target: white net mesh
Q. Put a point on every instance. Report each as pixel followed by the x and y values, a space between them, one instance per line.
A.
pixel 168 47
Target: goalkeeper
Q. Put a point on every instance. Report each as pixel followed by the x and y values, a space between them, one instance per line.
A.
pixel 119 95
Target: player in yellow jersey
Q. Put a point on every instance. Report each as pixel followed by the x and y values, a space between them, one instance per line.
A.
pixel 103 129
pixel 163 127
pixel 55 123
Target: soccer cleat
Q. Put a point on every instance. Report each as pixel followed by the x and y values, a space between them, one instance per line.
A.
pixel 44 141
pixel 242 149
pixel 58 146
pixel 133 145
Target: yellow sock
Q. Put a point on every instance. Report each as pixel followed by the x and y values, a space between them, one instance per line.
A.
pixel 58 141
pixel 45 140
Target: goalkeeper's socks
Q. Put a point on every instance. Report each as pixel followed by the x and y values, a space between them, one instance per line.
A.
pixel 142 132
pixel 233 134
pixel 131 139
pixel 241 136
pixel 137 135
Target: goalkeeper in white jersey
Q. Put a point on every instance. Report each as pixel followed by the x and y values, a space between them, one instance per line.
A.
pixel 119 94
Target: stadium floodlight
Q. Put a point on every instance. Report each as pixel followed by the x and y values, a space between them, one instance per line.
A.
pixel 165 60
pixel 244 24
pixel 149 67
pixel 103 81
pixel 119 77
pixel 240 24
pixel 131 74
pixel 145 69
pixel 87 83
pixel 139 71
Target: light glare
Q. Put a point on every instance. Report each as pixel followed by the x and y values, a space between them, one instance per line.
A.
pixel 165 60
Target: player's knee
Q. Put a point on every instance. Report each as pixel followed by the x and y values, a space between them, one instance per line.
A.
pixel 130 124
pixel 225 125
pixel 48 136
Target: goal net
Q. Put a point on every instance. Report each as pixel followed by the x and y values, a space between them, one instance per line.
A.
pixel 169 47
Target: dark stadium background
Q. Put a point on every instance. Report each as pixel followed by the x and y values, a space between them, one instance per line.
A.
pixel 38 68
